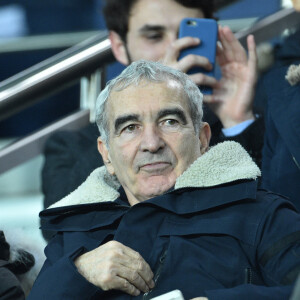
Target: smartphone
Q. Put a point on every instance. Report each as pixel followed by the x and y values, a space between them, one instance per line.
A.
pixel 207 31
pixel 174 295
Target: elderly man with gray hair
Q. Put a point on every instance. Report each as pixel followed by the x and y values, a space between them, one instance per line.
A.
pixel 166 212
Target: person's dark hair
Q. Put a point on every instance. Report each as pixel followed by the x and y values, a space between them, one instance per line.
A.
pixel 116 12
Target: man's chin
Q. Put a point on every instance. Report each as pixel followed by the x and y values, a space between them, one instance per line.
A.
pixel 156 186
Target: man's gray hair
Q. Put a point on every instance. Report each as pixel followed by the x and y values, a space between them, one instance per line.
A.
pixel 152 72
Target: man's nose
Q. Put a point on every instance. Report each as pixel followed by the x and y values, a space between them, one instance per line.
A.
pixel 151 140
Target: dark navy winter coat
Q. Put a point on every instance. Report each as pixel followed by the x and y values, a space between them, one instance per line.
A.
pixel 214 235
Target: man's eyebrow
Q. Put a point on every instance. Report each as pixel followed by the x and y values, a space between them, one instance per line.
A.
pixel 123 119
pixel 147 28
pixel 173 111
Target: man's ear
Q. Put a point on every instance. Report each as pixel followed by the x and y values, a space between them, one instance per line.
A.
pixel 204 136
pixel 118 48
pixel 102 148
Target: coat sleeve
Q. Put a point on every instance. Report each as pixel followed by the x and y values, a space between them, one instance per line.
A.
pixel 59 278
pixel 277 256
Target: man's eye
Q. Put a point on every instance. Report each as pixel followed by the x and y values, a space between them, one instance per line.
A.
pixel 170 122
pixel 154 37
pixel 130 128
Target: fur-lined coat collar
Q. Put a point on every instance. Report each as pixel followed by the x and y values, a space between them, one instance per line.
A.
pixel 293 75
pixel 223 163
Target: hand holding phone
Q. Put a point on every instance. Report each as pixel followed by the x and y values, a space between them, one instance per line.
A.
pixel 207 31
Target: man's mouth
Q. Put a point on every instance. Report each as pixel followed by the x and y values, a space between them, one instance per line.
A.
pixel 155 167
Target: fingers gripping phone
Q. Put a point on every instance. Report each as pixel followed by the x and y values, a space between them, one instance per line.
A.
pixel 207 31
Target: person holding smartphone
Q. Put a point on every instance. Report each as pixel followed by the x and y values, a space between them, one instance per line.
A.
pixel 148 29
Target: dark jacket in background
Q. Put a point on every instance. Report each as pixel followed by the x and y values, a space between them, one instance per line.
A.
pixel 10 287
pixel 70 156
pixel 281 153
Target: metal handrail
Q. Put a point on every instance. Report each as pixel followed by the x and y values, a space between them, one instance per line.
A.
pixel 32 145
pixel 271 26
pixel 61 70
pixel 44 41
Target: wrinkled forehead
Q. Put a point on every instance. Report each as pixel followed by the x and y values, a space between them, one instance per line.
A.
pixel 141 80
pixel 126 93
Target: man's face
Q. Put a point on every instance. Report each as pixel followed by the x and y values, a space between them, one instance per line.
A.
pixel 153 26
pixel 152 138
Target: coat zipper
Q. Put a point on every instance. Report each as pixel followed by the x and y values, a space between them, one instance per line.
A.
pixel 157 273
pixel 248 275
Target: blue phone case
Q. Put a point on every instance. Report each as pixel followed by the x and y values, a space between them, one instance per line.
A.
pixel 207 31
